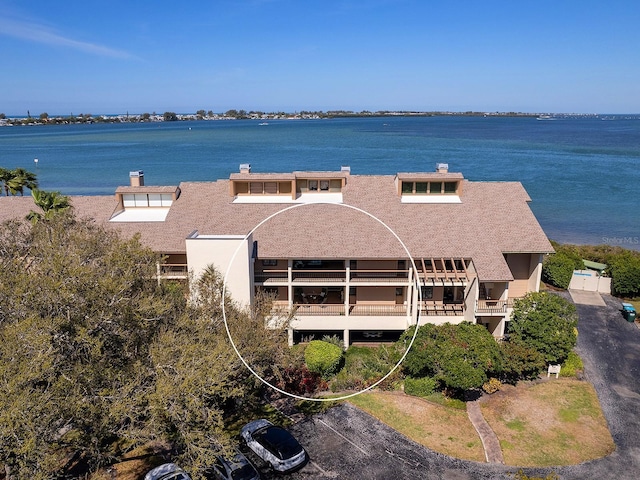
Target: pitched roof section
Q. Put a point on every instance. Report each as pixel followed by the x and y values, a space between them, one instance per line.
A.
pixel 493 218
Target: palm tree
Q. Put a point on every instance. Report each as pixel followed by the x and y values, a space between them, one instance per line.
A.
pixel 5 176
pixel 51 203
pixel 21 178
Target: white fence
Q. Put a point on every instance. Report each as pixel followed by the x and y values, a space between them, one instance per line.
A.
pixel 590 281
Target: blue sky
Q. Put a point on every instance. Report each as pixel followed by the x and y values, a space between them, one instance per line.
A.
pixel 291 55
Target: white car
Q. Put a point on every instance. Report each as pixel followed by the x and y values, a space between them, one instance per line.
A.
pixel 274 445
pixel 168 471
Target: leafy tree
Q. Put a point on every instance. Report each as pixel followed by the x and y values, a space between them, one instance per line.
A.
pixel 96 357
pixel 521 362
pixel 51 203
pixel 546 323
pixel 460 357
pixel 170 117
pixel 80 306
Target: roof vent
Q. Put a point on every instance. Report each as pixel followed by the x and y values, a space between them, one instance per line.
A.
pixel 346 169
pixel 136 178
pixel 442 167
pixel 245 168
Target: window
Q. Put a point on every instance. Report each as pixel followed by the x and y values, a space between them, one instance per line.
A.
pixel 427 293
pixel 313 185
pixel 269 262
pixel 270 188
pixel 147 200
pixel 428 187
pixel 435 187
pixel 324 185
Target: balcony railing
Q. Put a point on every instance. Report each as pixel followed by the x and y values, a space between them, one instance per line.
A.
pixel 493 306
pixel 309 275
pixel 354 310
pixel 308 309
pixel 173 270
pixel 442 309
pixel 267 276
pixel 324 275
pixel 360 275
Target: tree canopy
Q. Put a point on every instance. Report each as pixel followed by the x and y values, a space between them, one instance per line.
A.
pixel 461 357
pixel 97 357
pixel 546 323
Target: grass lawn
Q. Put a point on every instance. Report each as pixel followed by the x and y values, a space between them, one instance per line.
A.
pixel 557 422
pixel 442 429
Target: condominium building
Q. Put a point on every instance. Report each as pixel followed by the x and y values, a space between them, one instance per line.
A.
pixel 358 256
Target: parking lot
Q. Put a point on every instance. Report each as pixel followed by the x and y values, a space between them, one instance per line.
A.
pixel 345 443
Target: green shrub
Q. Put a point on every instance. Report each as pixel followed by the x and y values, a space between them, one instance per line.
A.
pixel 346 381
pixel 558 268
pixel 625 274
pixel 572 365
pixel 323 357
pixel 420 387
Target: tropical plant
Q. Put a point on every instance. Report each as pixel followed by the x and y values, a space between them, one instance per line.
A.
pixel 5 176
pixel 50 203
pixel 21 179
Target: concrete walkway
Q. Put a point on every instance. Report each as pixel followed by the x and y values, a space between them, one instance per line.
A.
pixel 490 442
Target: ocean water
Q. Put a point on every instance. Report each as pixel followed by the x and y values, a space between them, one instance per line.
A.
pixel 581 173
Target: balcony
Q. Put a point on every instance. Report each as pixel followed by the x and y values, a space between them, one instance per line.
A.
pixel 442 309
pixel 173 270
pixel 379 276
pixel 324 276
pixel 302 309
pixel 493 307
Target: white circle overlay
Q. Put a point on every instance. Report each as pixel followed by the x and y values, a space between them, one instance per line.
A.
pixel 226 325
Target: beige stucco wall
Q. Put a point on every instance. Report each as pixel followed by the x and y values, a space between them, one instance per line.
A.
pixel 219 250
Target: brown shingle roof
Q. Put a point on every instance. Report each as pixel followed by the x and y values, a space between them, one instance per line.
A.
pixel 493 218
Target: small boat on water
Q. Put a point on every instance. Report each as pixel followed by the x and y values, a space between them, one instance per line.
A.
pixel 545 117
pixel 263 123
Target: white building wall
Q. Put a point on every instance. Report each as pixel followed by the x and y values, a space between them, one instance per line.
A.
pixel 219 251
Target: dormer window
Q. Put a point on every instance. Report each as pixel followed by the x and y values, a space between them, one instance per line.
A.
pixel 296 187
pixel 139 203
pixel 429 188
pixel 438 187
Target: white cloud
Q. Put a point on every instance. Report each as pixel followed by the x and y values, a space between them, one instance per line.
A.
pixel 36 32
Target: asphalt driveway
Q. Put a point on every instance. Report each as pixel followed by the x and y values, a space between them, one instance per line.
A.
pixel 345 443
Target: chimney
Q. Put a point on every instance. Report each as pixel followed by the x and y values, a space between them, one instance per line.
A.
pixel 442 167
pixel 345 169
pixel 136 178
pixel 245 168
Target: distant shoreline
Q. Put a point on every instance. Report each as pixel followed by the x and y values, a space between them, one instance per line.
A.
pixel 46 119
